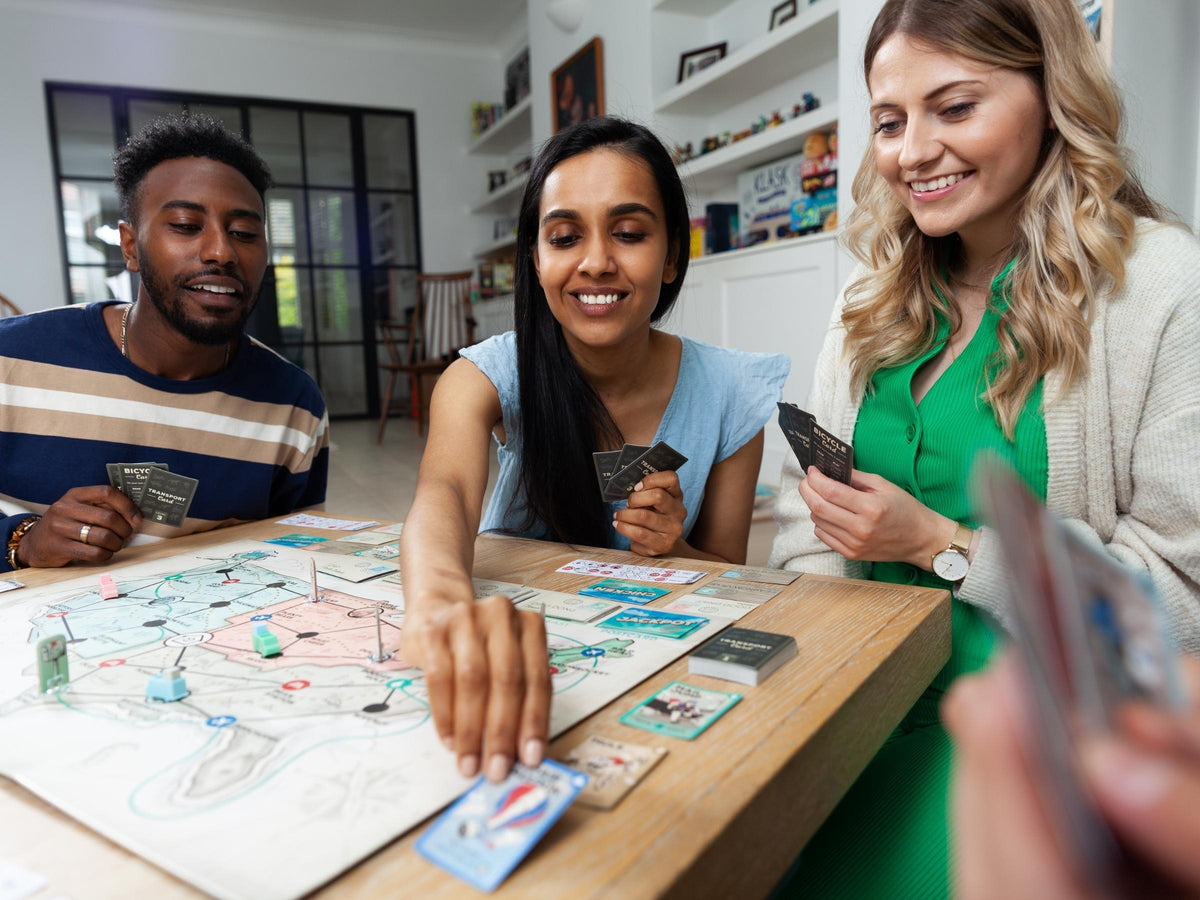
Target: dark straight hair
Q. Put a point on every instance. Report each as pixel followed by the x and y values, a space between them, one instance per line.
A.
pixel 562 419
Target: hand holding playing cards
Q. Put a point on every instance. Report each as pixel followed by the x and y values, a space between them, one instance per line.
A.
pixel 1145 780
pixel 654 516
pixel 488 680
pixel 873 519
pixel 87 523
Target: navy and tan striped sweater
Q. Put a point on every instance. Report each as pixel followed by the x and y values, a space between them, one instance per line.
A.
pixel 256 435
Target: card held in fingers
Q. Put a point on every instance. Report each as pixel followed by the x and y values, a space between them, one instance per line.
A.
pixel 659 458
pixel 166 497
pixel 605 462
pixel 831 455
pixel 796 425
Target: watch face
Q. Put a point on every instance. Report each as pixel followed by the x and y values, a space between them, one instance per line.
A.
pixel 950 565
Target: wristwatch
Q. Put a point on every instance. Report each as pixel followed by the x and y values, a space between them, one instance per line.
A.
pixel 952 564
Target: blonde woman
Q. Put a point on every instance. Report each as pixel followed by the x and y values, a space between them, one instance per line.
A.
pixel 1019 292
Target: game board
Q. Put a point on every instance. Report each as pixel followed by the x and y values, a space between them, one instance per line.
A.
pixel 274 774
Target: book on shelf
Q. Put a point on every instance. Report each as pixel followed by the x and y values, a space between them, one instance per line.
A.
pixel 743 655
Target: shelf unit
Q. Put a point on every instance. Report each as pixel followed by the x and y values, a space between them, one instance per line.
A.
pixel 810 37
pixel 691 7
pixel 709 171
pixel 511 132
pixel 736 255
pixel 499 198
pixel 494 248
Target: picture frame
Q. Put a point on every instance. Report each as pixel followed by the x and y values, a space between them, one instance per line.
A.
pixel 693 61
pixel 781 13
pixel 516 79
pixel 577 86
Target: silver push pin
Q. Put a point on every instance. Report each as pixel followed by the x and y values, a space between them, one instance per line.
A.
pixel 380 656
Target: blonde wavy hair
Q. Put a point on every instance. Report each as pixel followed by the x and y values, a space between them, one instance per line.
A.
pixel 1074 228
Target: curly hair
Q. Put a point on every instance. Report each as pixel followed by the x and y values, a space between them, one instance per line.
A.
pixel 1074 227
pixel 177 137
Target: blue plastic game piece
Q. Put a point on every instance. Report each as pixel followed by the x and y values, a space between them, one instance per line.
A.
pixel 265 643
pixel 168 685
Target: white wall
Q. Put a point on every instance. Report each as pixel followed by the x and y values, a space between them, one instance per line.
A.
pixel 68 40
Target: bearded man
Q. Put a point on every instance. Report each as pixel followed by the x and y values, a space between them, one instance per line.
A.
pixel 170 378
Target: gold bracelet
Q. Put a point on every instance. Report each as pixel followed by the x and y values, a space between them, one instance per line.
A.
pixel 14 539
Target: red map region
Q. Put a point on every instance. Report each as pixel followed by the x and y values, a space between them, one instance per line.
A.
pixel 334 631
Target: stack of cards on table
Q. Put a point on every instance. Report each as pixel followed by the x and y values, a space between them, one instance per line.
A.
pixel 813 445
pixel 742 655
pixel 1091 636
pixel 491 828
pixel 618 471
pixel 160 495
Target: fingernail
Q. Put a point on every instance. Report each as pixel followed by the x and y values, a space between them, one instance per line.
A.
pixel 448 742
pixel 498 767
pixel 1132 779
pixel 468 765
pixel 638 486
pixel 533 752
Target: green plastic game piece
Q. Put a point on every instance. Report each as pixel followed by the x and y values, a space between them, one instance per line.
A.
pixel 52 664
pixel 265 643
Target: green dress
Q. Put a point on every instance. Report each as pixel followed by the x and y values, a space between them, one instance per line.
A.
pixel 888 836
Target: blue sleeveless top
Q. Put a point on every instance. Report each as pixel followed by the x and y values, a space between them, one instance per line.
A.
pixel 722 398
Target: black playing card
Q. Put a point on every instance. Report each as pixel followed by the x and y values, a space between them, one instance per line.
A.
pixel 831 455
pixel 659 458
pixel 797 428
pixel 605 462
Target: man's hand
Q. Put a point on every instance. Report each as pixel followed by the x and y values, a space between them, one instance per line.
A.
pixel 58 538
pixel 653 518
pixel 488 678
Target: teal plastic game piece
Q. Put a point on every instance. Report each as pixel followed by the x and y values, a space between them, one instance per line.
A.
pixel 265 643
pixel 52 664
pixel 168 685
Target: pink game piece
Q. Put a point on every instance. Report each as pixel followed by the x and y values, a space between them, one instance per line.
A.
pixel 108 590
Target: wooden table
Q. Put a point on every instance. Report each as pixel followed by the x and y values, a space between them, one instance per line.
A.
pixel 721 816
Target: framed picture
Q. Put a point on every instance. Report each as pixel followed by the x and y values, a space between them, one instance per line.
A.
pixel 694 61
pixel 577 87
pixel 516 80
pixel 781 13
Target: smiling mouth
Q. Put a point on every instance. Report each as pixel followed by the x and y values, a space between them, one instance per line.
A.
pixel 212 289
pixel 600 299
pixel 936 184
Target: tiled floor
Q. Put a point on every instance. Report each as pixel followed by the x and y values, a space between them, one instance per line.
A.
pixel 378 481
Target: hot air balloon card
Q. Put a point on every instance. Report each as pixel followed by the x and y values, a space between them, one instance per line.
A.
pixel 614 767
pixel 681 710
pixel 491 828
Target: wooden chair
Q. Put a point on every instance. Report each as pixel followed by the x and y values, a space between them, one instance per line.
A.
pixel 424 345
pixel 8 308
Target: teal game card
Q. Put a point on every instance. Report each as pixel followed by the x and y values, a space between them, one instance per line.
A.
pixel 654 622
pixel 680 710
pixel 625 591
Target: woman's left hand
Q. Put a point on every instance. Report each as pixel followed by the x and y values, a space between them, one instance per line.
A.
pixel 873 519
pixel 653 518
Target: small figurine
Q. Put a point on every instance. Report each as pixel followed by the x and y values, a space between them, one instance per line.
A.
pixel 108 589
pixel 53 673
pixel 265 643
pixel 797 110
pixel 725 139
pixel 810 102
pixel 776 119
pixel 167 686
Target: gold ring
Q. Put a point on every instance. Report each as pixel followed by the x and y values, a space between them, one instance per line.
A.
pixel 84 532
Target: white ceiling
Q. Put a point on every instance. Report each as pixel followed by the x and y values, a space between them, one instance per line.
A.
pixel 475 21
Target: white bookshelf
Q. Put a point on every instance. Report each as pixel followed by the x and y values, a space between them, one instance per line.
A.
pixel 494 247
pixel 501 197
pixel 513 131
pixel 803 42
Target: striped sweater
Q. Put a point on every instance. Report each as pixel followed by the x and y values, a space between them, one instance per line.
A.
pixel 255 436
pixel 1121 442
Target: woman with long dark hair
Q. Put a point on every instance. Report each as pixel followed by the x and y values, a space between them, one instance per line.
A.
pixel 602 250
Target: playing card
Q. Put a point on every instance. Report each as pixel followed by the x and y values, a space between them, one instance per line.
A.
pixel 491 828
pixel 653 622
pixel 680 710
pixel 564 606
pixel 624 591
pixel 710 607
pixel 368 537
pixel 797 428
pixel 831 455
pixel 380 551
pixel 352 568
pixel 763 576
pixel 659 458
pixel 308 520
pixel 165 496
pixel 130 478
pixel 296 540
pixel 613 767
pixel 738 590
pixel 631 573
pixel 605 462
pixel 627 454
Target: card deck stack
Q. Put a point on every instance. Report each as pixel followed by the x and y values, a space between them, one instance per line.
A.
pixel 742 655
pixel 618 471
pixel 161 495
pixel 813 445
pixel 1090 636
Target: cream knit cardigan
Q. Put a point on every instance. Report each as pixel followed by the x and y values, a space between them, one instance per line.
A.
pixel 1123 443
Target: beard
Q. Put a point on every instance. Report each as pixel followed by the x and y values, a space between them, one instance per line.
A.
pixel 165 295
